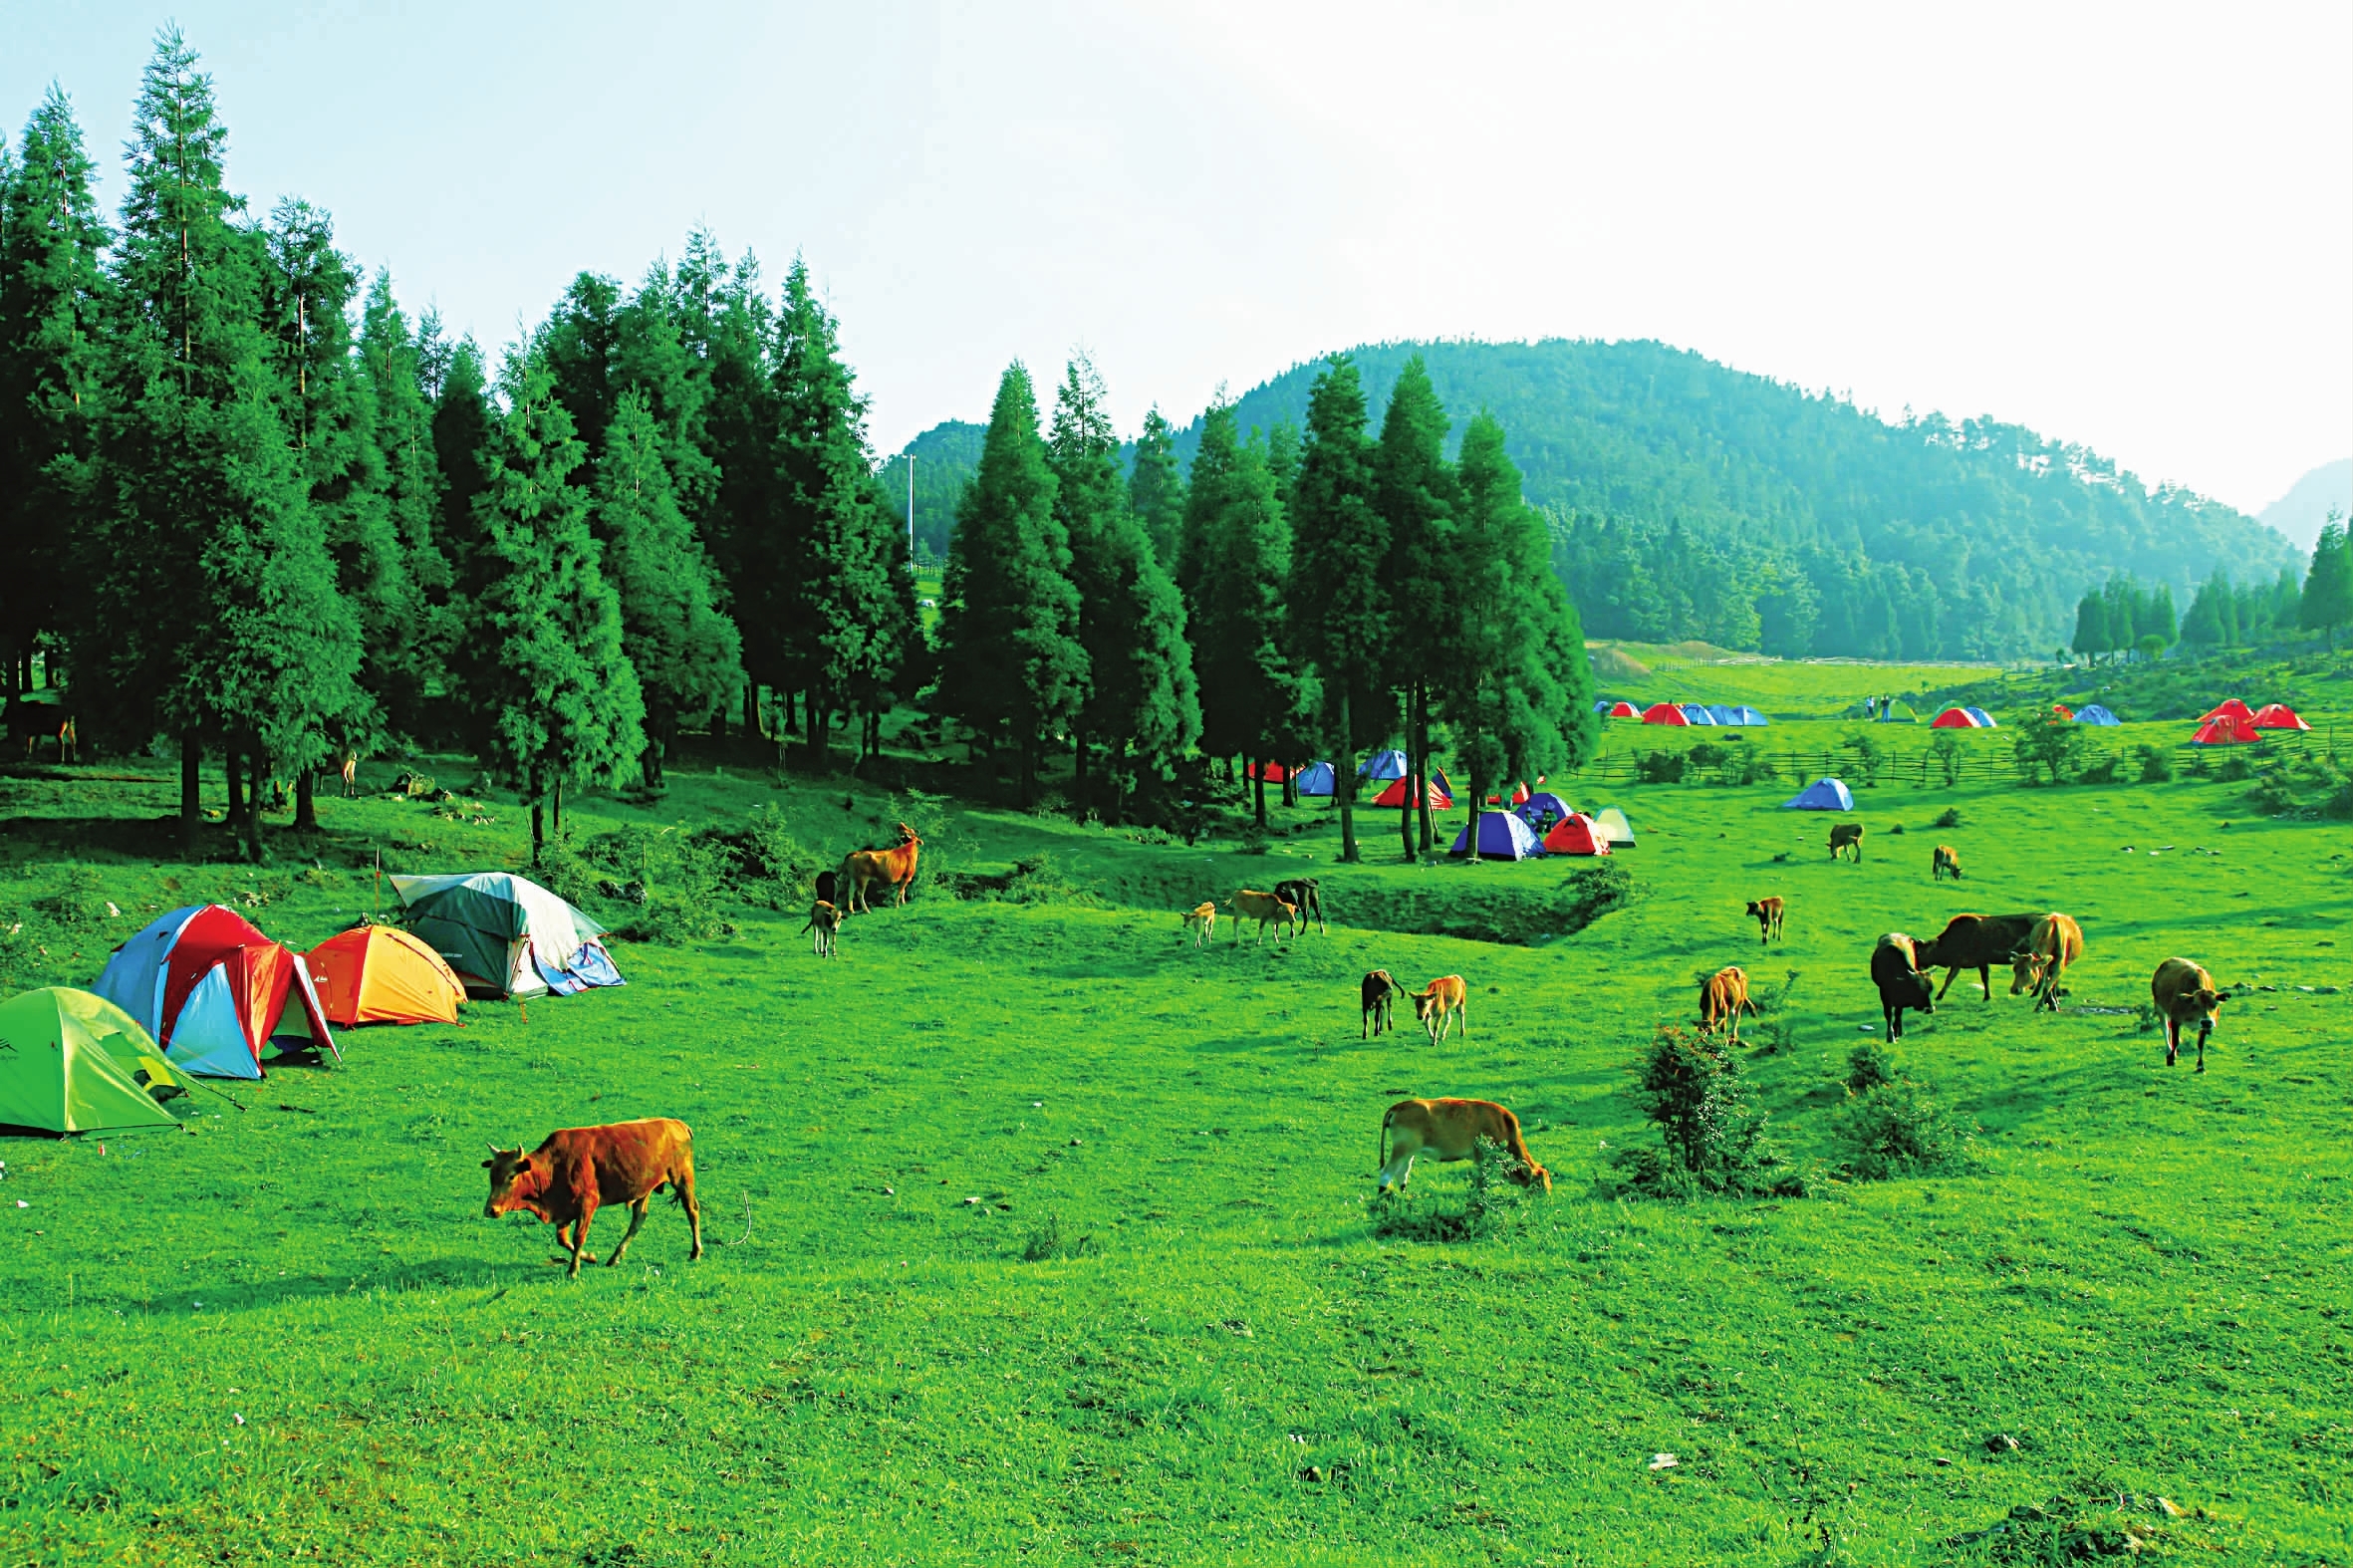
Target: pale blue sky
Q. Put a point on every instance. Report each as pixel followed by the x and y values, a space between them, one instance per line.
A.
pixel 2128 225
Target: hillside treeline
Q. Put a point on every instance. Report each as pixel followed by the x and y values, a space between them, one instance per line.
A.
pixel 1690 500
pixel 250 505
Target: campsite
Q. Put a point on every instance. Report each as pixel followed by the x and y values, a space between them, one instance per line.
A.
pixel 1014 1236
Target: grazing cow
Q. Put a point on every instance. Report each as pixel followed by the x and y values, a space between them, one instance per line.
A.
pixel 829 887
pixel 1721 996
pixel 1847 836
pixel 1374 994
pixel 1201 922
pixel 1448 1131
pixel 894 867
pixel 573 1171
pixel 2184 994
pixel 1975 941
pixel 2053 942
pixel 1437 1005
pixel 1944 862
pixel 1896 971
pixel 826 921
pixel 1251 904
pixel 1305 895
pixel 1767 914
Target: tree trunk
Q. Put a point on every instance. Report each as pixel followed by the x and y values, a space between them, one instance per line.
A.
pixel 233 764
pixel 1078 770
pixel 1405 805
pixel 257 766
pixel 812 714
pixel 1344 782
pixel 751 708
pixel 306 801
pixel 538 831
pixel 1478 804
pixel 556 811
pixel 1259 790
pixel 1421 765
pixel 192 786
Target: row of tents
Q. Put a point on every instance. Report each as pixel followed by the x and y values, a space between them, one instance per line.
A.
pixel 1682 713
pixel 202 992
pixel 2237 725
pixel 1545 824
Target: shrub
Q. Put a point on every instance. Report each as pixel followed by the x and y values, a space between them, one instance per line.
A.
pixel 1046 1241
pixel 1945 748
pixel 2157 764
pixel 1710 754
pixel 1867 1067
pixel 1660 767
pixel 1253 841
pixel 1870 756
pixel 1949 817
pixel 2103 771
pixel 1713 1134
pixel 2236 769
pixel 2045 741
pixel 1492 1202
pixel 1899 1127
pixel 1750 766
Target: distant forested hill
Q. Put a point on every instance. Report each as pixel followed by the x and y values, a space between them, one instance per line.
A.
pixel 946 455
pixel 1690 500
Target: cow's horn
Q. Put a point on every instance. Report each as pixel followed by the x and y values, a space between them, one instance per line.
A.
pixel 494 1148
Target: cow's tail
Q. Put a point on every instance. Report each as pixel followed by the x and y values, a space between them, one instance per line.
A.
pixel 1381 1164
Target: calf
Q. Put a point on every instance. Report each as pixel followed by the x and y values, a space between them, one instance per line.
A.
pixel 575 1170
pixel 1374 994
pixel 1767 914
pixel 1200 922
pixel 1975 941
pixel 1847 836
pixel 826 921
pixel 1721 996
pixel 1895 969
pixel 1251 904
pixel 2053 942
pixel 1944 862
pixel 1448 1131
pixel 2184 994
pixel 1437 1004
pixel 1305 895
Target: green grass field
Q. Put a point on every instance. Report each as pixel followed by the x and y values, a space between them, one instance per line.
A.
pixel 1035 1234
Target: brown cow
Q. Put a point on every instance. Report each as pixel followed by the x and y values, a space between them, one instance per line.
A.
pixel 1767 914
pixel 1721 996
pixel 1251 904
pixel 1437 1005
pixel 1305 895
pixel 1944 861
pixel 1448 1131
pixel 895 868
pixel 2054 942
pixel 826 921
pixel 1374 994
pixel 1847 836
pixel 573 1172
pixel 1975 942
pixel 2184 994
pixel 1896 971
pixel 1201 922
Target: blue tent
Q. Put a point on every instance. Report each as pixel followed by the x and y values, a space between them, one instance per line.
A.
pixel 1720 714
pixel 1542 809
pixel 1316 779
pixel 1383 765
pixel 1984 719
pixel 1744 714
pixel 1601 704
pixel 1821 795
pixel 2095 714
pixel 1696 713
pixel 1502 836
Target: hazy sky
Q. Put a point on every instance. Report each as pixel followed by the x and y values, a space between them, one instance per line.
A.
pixel 2127 225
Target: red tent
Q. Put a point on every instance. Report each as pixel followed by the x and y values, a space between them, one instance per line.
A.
pixel 2063 711
pixel 2231 709
pixel 2227 730
pixel 1395 795
pixel 1275 772
pixel 1664 713
pixel 1622 709
pixel 1953 719
pixel 2277 715
pixel 1575 833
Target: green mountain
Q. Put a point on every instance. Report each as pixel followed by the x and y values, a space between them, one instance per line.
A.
pixel 946 457
pixel 1690 500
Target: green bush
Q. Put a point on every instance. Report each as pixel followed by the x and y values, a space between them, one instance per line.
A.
pixel 1899 1127
pixel 1945 747
pixel 1870 756
pixel 1949 817
pixel 2103 771
pixel 1047 1240
pixel 1868 1066
pixel 2157 763
pixel 1715 1135
pixel 1660 767
pixel 1710 754
pixel 2236 769
pixel 1493 1203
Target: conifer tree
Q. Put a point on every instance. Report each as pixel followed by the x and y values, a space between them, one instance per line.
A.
pixel 683 649
pixel 2091 626
pixel 1141 706
pixel 1338 617
pixel 409 672
pixel 461 427
pixel 51 299
pixel 2327 600
pixel 1253 698
pixel 1413 487
pixel 556 698
pixel 1206 492
pixel 1012 669
pixel 729 328
pixel 578 340
pixel 1156 488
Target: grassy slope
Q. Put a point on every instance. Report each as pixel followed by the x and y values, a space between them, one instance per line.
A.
pixel 2145 1282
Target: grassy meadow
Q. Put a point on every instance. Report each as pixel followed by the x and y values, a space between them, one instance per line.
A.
pixel 1036 1234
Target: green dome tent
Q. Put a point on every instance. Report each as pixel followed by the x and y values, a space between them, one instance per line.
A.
pixel 67 1064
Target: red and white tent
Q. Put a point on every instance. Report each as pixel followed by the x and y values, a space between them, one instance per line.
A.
pixel 2228 729
pixel 212 990
pixel 2277 715
pixel 1953 719
pixel 1664 713
pixel 1622 709
pixel 1575 833
pixel 1397 794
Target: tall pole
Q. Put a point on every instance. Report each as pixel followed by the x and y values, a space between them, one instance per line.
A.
pixel 910 513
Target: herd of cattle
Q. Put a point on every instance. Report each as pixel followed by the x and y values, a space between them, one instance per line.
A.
pixel 575 1171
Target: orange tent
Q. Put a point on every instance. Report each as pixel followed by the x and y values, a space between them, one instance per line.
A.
pixel 2277 715
pixel 1575 833
pixel 380 975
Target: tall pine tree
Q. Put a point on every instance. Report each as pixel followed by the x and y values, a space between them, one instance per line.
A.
pixel 1156 488
pixel 1252 696
pixel 409 674
pixel 1413 488
pixel 2327 600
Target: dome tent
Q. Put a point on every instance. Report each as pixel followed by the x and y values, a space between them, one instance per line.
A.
pixel 1984 720
pixel 1316 779
pixel 1383 765
pixel 506 934
pixel 1575 835
pixel 1542 809
pixel 2277 715
pixel 1664 713
pixel 1441 797
pixel 212 991
pixel 2227 730
pixel 1821 795
pixel 68 1064
pixel 1897 713
pixel 380 974
pixel 1742 713
pixel 2231 709
pixel 1502 836
pixel 1696 713
pixel 1622 709
pixel 1614 830
pixel 1956 718
pixel 2094 713
pixel 1273 772
pixel 1718 714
